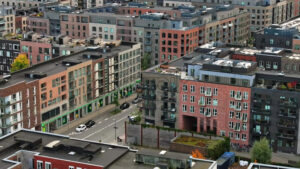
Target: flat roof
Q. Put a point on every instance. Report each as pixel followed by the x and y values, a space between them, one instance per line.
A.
pixel 56 65
pixel 106 155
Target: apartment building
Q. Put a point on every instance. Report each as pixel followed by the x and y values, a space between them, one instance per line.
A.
pixel 274 110
pixel 38 24
pixel 66 88
pixel 75 25
pixel 7 20
pixel 104 26
pixel 21 24
pixel 195 92
pixel 26 4
pixel 9 50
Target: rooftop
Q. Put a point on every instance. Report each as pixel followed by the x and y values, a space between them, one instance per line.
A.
pixel 266 166
pixel 52 145
pixel 59 64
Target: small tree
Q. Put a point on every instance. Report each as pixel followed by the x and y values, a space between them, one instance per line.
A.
pixel 261 151
pixel 20 62
pixel 146 61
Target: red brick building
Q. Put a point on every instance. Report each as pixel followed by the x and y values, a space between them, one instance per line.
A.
pixel 75 25
pixel 36 51
pixel 175 43
pixel 218 108
pixel 40 160
pixel 39 25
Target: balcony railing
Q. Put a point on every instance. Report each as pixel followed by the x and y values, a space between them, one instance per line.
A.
pixel 164 108
pixel 168 119
pixel 149 97
pixel 260 121
pixel 287 136
pixel 288 104
pixel 5 125
pixel 287 115
pixel 287 126
pixel 238 97
pixel 4 104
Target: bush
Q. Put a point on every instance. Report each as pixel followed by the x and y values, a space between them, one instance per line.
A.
pixel 261 151
pixel 217 148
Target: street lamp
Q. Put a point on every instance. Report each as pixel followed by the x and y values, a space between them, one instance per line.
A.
pixel 115 127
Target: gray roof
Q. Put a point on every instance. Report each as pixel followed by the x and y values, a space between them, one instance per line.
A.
pixel 56 65
pixel 106 155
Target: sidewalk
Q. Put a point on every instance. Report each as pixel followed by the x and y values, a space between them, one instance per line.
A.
pixel 92 115
pixel 278 157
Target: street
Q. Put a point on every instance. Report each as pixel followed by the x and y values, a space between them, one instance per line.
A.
pixel 104 129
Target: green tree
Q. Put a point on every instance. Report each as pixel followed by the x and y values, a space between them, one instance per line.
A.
pixel 146 61
pixel 261 151
pixel 20 62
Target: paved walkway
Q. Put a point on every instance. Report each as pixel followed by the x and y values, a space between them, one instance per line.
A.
pixel 278 157
pixel 92 115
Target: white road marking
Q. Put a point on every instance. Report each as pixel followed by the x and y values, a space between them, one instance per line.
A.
pixel 103 128
pixel 99 122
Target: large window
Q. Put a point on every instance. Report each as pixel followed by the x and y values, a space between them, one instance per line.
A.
pixel 47 165
pixel 39 164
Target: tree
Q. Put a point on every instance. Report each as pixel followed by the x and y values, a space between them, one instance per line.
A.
pixel 261 151
pixel 20 62
pixel 146 61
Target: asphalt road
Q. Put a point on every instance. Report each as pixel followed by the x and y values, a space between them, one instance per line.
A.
pixel 104 129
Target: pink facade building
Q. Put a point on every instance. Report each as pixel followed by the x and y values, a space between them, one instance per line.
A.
pixel 217 108
pixel 37 52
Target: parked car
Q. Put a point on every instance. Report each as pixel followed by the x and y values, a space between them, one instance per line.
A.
pixel 90 123
pixel 132 119
pixel 124 106
pixel 136 100
pixel 81 128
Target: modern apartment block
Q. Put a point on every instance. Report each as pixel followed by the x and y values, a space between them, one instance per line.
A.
pixel 75 25
pixel 26 4
pixel 49 95
pixel 7 20
pixel 38 24
pixel 203 90
pixel 9 50
pixel 275 110
pixel 104 26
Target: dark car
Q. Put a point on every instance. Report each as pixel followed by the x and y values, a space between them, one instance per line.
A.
pixel 90 123
pixel 124 106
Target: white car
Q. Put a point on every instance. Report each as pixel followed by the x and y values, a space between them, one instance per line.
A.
pixel 81 128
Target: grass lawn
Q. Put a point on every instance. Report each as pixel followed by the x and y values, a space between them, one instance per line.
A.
pixel 194 141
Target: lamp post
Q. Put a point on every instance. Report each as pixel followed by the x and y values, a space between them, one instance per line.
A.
pixel 115 127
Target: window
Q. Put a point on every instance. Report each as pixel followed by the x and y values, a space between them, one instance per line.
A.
pixel 232 93
pixel 202 90
pixel 238 115
pixel 231 104
pixel 245 106
pixel 192 109
pixel 215 112
pixel 47 165
pixel 222 133
pixel 208 101
pixel 201 110
pixel 245 96
pixel 231 114
pixel 71 167
pixel 245 117
pixel 192 88
pixel 237 127
pixel 215 92
pixel 184 108
pixel 231 124
pixel 237 136
pixel 271 41
pixel 244 138
pixel 39 164
pixel 184 98
pixel 231 135
pixel 267 107
pixel 208 112
pixel 215 102
pixel 268 64
pixel 202 101
pixel 244 126
pixel 184 88
pixel 192 99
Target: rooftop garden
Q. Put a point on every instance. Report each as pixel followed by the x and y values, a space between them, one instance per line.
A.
pixel 194 141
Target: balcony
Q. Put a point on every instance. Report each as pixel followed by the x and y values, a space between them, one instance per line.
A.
pixel 208 93
pixel 148 36
pixel 164 98
pixel 172 99
pixel 4 104
pixel 261 121
pixel 164 88
pixel 288 104
pixel 172 109
pixel 168 118
pixel 173 89
pixel 286 136
pixel 287 115
pixel 149 97
pixel 238 97
pixel 5 125
pixel 148 42
pixel 238 108
pixel 287 126
pixel 164 108
pixel 151 106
